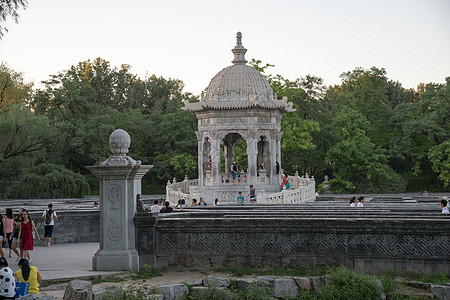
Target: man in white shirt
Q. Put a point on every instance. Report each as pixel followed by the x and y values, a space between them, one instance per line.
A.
pixel 49 216
pixel 155 207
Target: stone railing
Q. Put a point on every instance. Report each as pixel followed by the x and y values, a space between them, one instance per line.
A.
pixel 184 185
pixel 302 189
pixel 186 189
pixel 297 181
pixel 227 178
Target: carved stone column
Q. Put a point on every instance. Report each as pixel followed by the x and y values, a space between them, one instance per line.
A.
pixel 252 152
pixel 120 183
pixel 273 159
pixel 279 135
pixel 215 149
pixel 201 173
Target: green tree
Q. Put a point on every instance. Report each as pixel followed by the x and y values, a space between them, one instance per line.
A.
pixel 13 88
pixel 10 8
pixel 355 159
pixel 421 125
pixel 49 181
pixel 24 138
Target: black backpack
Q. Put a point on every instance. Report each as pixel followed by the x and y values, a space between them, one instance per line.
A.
pixel 48 217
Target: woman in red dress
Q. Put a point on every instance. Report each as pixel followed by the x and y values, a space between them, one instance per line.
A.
pixel 26 234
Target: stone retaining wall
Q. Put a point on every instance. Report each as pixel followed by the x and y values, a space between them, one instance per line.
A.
pixel 71 227
pixel 358 242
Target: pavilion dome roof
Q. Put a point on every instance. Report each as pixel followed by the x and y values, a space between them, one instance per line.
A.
pixel 239 87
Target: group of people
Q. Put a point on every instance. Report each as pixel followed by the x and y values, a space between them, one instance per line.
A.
pixel 360 202
pixel 252 196
pixel 26 273
pixel 19 233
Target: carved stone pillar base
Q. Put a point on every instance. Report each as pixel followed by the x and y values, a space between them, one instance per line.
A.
pixel 116 260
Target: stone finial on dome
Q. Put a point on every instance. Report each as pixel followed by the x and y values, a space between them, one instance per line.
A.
pixel 239 51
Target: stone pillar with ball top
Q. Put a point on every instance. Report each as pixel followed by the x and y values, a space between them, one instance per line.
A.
pixel 120 184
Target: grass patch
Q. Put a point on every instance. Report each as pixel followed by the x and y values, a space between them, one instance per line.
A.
pixel 439 279
pixel 146 273
pixel 301 270
pixel 97 280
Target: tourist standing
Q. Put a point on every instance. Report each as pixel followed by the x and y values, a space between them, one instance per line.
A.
pixel 7 281
pixel 30 274
pixel 2 235
pixel 252 194
pixel 26 234
pixel 49 216
pixel 9 221
pixel 17 223
pixel 234 171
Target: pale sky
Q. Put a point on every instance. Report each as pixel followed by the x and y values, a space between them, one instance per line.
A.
pixel 192 40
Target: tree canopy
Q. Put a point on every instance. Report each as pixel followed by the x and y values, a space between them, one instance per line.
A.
pixel 369 134
pixel 10 8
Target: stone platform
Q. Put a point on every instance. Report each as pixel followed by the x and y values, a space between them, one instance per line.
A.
pixel 408 234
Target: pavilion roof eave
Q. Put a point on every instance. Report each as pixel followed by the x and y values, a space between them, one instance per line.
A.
pixel 238 105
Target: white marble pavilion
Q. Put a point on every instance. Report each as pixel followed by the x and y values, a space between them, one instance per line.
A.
pixel 238 104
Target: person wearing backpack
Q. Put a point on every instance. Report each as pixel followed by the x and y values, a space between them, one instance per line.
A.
pixel 49 216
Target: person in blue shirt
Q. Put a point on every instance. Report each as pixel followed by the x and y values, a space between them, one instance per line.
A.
pixel 240 198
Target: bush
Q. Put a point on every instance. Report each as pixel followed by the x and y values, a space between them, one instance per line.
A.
pixel 49 181
pixel 345 284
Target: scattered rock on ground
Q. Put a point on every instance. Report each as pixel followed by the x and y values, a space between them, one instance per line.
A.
pixel 216 281
pixel 174 291
pixel 420 285
pixel 285 287
pixel 97 294
pixel 303 283
pixel 78 290
pixel 441 292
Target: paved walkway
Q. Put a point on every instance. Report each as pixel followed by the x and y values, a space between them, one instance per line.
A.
pixel 62 261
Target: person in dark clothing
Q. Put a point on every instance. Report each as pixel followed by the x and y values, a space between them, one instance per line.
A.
pixel 168 209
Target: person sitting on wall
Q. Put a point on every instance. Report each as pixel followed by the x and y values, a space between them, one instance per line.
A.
pixel 234 171
pixel 155 207
pixel 444 207
pixel 240 198
pixel 353 202
pixel 168 209
pixel 194 202
pixel 178 204
pixel 202 202
pixel 183 203
pixel 283 181
pixel 360 201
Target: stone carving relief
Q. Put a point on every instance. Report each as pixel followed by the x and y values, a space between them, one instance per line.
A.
pixel 199 135
pixel 113 229
pixel 302 243
pixel 113 196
